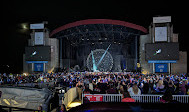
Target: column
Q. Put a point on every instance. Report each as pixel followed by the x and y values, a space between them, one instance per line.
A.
pixel 60 53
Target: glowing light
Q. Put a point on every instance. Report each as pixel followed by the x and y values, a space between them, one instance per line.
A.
pixel 24 26
pixel 158 51
pixel 74 104
pixel 34 53
pixel 103 55
pixel 25 74
pixel 144 72
pixel 51 70
pixel 138 65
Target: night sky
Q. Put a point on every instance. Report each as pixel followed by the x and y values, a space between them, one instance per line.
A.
pixel 60 12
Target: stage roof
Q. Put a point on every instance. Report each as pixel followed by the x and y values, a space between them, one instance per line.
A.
pixel 98 29
pixel 99 21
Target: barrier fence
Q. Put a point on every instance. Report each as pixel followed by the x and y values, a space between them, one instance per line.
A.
pixel 138 98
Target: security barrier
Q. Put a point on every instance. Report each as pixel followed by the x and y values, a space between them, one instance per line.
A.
pixel 138 98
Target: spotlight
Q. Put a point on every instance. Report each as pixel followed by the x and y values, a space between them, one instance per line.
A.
pixel 61 91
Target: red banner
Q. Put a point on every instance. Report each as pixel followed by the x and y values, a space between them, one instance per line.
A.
pixel 94 98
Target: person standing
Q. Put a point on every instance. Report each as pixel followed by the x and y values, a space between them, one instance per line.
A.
pixel 79 87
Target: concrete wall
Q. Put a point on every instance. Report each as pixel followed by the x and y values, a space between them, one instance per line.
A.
pixel 181 65
pixel 145 66
pixel 53 63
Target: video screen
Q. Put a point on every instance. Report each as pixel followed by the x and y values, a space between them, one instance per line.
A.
pixel 162 51
pixel 38 53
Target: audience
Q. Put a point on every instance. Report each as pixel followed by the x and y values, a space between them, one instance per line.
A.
pixel 125 83
pixel 107 82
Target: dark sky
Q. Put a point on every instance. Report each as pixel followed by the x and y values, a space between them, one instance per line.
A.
pixel 60 12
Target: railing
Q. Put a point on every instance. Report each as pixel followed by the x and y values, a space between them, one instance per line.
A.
pixel 181 98
pixel 138 98
pixel 147 98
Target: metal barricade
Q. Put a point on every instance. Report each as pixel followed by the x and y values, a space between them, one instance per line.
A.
pixel 112 97
pixel 181 98
pixel 147 98
pixel 138 98
pixel 106 97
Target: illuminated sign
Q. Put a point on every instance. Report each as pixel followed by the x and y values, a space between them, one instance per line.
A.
pixel 94 98
pixel 161 68
pixel 164 19
pixel 162 61
pixel 37 26
pixel 38 67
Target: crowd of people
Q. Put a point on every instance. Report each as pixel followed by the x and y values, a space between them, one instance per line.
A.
pixel 108 83
pixel 125 83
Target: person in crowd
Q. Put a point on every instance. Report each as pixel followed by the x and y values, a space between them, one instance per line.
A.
pixel 80 88
pixel 121 89
pixel 112 90
pixel 160 87
pixel 145 87
pixel 127 97
pixel 85 100
pixel 87 90
pixel 187 87
pixel 134 90
pixel 171 87
pixel 167 98
pixel 182 86
pixel 151 84
pixel 124 85
pixel 102 86
pixel 40 109
pixel 96 90
pixel 61 108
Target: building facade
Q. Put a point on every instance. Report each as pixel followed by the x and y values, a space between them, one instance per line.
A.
pixel 165 55
pixel 42 52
